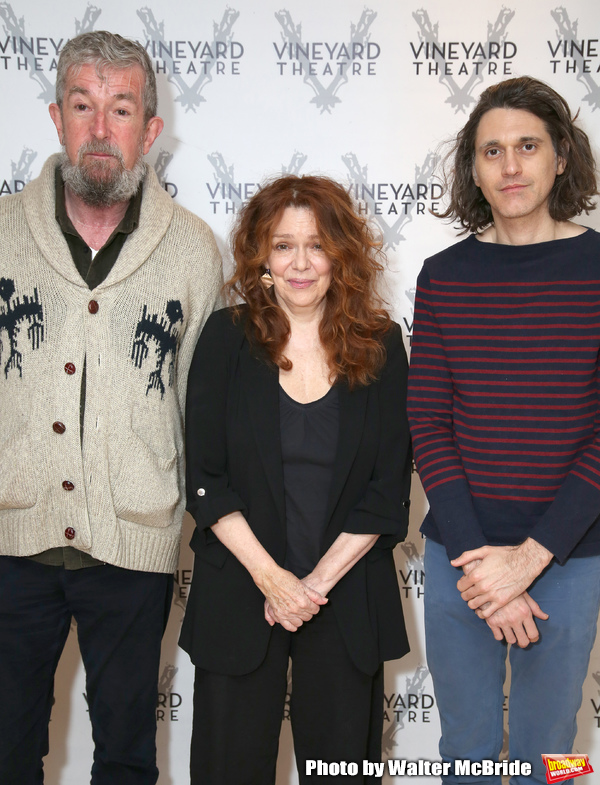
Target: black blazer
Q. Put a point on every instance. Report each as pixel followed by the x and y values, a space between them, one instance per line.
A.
pixel 234 463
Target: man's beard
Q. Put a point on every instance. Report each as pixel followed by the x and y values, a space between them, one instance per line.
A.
pixel 100 183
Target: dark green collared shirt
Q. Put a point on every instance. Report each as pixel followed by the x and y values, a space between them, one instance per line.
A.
pixel 93 270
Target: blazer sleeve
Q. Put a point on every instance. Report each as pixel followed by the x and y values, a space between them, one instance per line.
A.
pixel 383 509
pixel 209 493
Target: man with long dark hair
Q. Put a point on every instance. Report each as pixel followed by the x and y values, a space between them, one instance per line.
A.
pixel 505 422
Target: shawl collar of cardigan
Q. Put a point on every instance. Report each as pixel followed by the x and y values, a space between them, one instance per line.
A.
pixel 39 202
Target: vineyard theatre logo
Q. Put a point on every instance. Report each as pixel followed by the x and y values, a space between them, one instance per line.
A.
pixel 326 65
pixel 160 167
pixel 400 200
pixel 181 588
pixel 596 702
pixel 169 702
pixel 413 706
pixel 461 65
pixel 409 323
pixel 227 194
pixel 20 173
pixel 36 56
pixel 412 577
pixel 191 64
pixel 570 54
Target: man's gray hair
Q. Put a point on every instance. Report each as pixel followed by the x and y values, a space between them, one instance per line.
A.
pixel 106 50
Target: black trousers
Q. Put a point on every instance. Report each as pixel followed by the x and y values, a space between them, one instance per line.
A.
pixel 121 616
pixel 336 711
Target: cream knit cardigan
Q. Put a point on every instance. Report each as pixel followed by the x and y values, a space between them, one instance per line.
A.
pixel 118 492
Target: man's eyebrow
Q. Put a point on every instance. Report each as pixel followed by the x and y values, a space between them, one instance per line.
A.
pixel 498 143
pixel 126 97
pixel 129 96
pixel 75 90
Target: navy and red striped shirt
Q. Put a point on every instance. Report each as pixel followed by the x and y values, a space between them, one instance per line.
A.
pixel 504 394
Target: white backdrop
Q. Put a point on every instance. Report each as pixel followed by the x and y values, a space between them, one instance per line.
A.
pixel 363 93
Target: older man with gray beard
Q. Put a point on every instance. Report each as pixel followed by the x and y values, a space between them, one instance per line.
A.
pixel 104 287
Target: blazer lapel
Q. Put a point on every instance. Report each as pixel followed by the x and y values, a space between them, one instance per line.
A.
pixel 261 389
pixel 353 406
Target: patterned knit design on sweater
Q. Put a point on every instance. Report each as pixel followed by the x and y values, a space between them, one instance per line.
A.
pixel 115 490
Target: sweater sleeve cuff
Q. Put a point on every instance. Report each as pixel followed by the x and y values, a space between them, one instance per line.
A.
pixel 453 516
pixel 575 508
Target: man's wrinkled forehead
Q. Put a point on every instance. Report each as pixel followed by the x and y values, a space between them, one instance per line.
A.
pixel 537 122
pixel 127 82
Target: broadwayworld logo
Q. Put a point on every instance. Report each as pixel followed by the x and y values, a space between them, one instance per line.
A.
pixel 570 54
pixel 325 66
pixel 461 65
pixel 563 767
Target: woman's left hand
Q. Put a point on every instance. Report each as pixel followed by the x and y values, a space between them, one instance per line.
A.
pixel 288 601
pixel 335 563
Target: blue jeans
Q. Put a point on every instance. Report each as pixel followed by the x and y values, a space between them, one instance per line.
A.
pixel 468 667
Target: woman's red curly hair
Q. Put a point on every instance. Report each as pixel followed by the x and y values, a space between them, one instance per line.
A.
pixel 354 319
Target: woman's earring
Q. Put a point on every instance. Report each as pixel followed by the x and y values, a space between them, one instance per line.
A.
pixel 267 271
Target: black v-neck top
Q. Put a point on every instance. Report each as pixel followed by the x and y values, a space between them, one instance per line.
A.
pixel 309 438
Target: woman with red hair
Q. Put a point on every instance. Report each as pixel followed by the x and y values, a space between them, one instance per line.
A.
pixel 298 474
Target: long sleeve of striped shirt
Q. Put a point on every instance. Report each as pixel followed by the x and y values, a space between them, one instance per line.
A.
pixel 503 394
